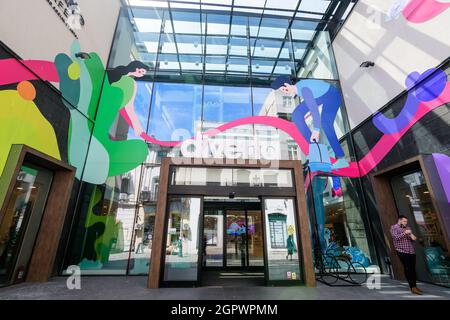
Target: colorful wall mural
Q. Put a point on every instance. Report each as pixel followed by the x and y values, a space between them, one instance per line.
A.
pixel 94 99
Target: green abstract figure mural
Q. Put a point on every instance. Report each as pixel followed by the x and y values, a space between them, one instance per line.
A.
pixel 81 82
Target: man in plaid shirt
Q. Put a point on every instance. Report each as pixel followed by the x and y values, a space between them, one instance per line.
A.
pixel 403 239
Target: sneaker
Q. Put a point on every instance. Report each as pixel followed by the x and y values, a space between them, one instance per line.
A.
pixel 416 291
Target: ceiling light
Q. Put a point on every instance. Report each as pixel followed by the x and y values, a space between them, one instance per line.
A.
pixel 262 47
pixel 166 62
pixel 195 44
pixel 257 66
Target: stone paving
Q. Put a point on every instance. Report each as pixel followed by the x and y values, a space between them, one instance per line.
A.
pixel 134 287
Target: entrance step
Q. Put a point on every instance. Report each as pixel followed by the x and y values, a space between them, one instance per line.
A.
pixel 232 278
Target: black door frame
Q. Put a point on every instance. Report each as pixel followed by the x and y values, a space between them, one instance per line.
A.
pixel 225 207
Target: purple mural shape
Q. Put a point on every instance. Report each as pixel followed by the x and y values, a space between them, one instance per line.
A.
pixel 421 87
pixel 442 163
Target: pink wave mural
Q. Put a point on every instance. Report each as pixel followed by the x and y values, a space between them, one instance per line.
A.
pixel 355 169
pixel 14 71
pixel 419 11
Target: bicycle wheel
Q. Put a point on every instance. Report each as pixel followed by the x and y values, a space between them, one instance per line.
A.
pixel 330 271
pixel 357 273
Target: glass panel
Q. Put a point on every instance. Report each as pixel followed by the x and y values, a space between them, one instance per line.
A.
pixel 413 200
pixel 273 28
pixel 145 220
pixel 224 104
pixel 218 24
pixel 20 224
pixel 236 177
pixel 236 238
pixel 255 238
pixel 182 244
pixel 239 26
pixel 281 240
pixel 262 178
pixel 202 176
pixel 213 238
pixel 176 111
pixel 339 228
pixel 143 236
pixel 303 30
pixel 319 60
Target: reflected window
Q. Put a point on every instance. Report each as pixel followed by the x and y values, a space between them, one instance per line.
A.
pixel 182 239
pixel 282 244
pixel 176 111
pixel 318 62
pixel 194 176
pixel 223 104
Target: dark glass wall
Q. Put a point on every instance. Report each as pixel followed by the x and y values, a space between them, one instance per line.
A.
pixel 428 135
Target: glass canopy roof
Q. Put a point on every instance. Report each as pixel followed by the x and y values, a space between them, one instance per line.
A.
pixel 236 37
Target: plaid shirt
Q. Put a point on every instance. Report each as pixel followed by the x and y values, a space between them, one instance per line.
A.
pixel 402 242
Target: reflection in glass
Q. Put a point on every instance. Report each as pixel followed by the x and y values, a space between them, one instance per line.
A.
pixel 264 177
pixel 338 227
pixel 20 224
pixel 182 244
pixel 318 62
pixel 413 200
pixel 175 108
pixel 236 238
pixel 255 238
pixel 213 226
pixel 281 240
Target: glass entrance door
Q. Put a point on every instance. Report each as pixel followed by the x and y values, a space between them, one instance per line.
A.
pixel 236 238
pixel 213 238
pixel 20 224
pixel 232 238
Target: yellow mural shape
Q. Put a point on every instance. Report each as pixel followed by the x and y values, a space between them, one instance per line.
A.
pixel 21 122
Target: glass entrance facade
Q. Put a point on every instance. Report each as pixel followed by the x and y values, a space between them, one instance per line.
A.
pixel 211 74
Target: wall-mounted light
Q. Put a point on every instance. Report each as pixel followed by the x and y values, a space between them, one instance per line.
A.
pixel 367 64
pixel 82 55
